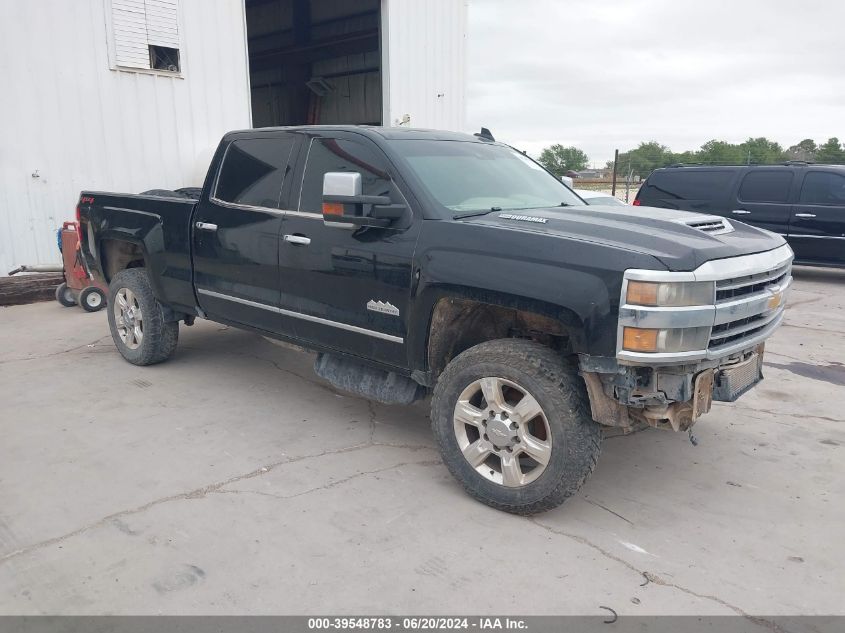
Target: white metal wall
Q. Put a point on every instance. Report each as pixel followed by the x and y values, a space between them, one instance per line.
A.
pixel 424 62
pixel 68 121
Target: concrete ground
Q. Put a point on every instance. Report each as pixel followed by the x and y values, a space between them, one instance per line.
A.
pixel 230 480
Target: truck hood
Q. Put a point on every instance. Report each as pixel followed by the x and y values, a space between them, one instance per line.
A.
pixel 662 233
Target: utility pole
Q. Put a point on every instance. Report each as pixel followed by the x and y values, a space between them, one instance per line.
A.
pixel 615 165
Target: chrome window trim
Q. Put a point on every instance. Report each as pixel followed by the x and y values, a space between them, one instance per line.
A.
pixel 312 215
pixel 246 207
pixel 304 317
pixel 818 237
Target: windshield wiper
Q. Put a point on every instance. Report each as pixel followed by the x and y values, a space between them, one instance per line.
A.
pixel 472 214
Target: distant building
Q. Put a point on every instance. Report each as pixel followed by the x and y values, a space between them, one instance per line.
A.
pixel 593 174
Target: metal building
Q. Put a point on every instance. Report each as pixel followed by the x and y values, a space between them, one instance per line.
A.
pixel 130 95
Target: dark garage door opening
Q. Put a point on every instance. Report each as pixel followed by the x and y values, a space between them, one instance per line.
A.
pixel 314 61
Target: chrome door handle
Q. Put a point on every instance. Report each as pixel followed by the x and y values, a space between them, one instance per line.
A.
pixel 298 239
pixel 805 215
pixel 206 226
pixel 741 212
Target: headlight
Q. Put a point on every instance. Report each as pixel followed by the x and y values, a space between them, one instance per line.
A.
pixel 670 293
pixel 635 339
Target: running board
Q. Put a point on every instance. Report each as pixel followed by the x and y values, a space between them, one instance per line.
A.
pixel 367 382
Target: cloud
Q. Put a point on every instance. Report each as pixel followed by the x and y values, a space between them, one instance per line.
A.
pixel 613 73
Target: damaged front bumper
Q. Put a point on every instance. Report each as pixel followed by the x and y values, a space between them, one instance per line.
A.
pixel 700 340
pixel 672 396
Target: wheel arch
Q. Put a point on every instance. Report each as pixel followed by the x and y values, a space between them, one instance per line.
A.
pixel 464 317
pixel 119 253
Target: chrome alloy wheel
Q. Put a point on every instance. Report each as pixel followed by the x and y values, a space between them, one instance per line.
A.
pixel 128 318
pixel 502 432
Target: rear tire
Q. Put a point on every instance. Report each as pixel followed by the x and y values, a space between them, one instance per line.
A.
pixel 64 295
pixel 501 404
pixel 138 327
pixel 92 299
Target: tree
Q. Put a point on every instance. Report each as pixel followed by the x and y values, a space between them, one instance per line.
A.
pixel 831 152
pixel 559 159
pixel 721 153
pixel 805 150
pixel 685 157
pixel 645 159
pixel 762 151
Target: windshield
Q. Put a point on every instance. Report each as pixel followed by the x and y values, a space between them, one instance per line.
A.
pixel 465 176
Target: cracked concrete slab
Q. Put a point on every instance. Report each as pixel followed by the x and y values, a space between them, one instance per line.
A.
pixel 232 480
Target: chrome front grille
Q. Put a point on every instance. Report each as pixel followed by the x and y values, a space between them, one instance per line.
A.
pixel 749 305
pixel 749 284
pixel 737 330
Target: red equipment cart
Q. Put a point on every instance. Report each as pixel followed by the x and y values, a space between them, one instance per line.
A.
pixel 79 286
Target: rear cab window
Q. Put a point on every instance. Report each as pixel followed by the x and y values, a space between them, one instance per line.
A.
pixel 253 171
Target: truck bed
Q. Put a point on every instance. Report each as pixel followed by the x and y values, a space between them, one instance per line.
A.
pixel 159 226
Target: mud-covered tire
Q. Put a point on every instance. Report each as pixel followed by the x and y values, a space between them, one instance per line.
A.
pixel 64 295
pixel 158 336
pixel 575 441
pixel 92 299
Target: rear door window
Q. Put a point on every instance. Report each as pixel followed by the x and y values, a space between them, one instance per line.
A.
pixel 685 184
pixel 254 170
pixel 824 188
pixel 331 154
pixel 763 185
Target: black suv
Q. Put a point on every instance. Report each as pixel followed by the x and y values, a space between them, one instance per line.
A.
pixel 803 202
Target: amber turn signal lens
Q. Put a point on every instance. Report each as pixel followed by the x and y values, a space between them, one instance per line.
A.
pixel 642 293
pixel 635 339
pixel 332 208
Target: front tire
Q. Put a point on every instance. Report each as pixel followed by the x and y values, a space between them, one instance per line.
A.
pixel 92 299
pixel 513 425
pixel 136 319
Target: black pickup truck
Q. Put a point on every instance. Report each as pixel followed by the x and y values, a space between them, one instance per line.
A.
pixel 419 262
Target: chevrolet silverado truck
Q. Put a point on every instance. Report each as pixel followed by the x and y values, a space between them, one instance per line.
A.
pixel 418 262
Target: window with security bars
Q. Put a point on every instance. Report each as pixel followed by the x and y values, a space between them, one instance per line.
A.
pixel 146 34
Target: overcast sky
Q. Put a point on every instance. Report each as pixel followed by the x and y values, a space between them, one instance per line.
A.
pixel 606 74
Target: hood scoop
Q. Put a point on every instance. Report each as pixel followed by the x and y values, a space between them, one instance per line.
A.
pixel 712 224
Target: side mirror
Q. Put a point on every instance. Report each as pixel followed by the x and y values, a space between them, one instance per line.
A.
pixel 345 207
